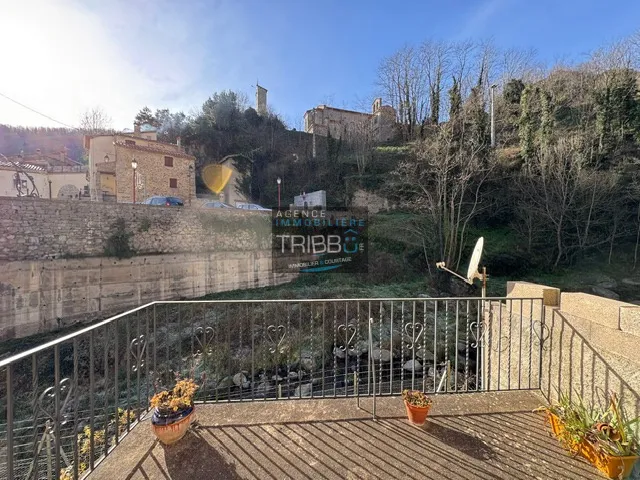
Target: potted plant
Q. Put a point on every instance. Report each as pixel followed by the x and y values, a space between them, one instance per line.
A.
pixel 570 421
pixel 173 411
pixel 605 439
pixel 612 446
pixel 418 405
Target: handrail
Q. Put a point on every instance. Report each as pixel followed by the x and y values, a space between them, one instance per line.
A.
pixel 19 356
pixel 319 300
pixel 70 336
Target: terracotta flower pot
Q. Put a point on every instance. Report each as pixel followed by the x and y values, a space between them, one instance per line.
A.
pixel 417 415
pixel 612 467
pixel 171 428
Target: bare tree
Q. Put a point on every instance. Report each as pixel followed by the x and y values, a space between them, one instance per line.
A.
pixel 94 121
pixel 402 82
pixel 446 181
pixel 568 202
pixel 435 57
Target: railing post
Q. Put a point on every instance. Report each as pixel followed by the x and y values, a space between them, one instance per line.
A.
pixel 10 475
pixel 541 342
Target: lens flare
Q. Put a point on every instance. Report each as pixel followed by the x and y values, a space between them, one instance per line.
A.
pixel 216 177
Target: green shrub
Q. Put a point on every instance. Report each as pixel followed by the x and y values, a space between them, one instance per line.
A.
pixel 118 243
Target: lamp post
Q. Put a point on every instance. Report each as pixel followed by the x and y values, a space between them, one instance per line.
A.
pixel 493 124
pixel 134 165
pixel 279 182
pixel 190 174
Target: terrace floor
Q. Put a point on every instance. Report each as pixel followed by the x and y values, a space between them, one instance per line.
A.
pixel 467 436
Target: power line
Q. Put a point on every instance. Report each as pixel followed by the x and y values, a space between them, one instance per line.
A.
pixel 35 111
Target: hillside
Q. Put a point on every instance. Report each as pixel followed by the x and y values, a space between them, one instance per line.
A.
pixel 13 140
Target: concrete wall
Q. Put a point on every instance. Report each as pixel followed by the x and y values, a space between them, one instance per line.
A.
pixel 590 344
pixel 34 229
pixel 38 296
pixel 60 179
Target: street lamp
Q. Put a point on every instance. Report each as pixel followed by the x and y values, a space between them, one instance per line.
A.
pixel 134 165
pixel 279 182
pixel 493 123
pixel 190 173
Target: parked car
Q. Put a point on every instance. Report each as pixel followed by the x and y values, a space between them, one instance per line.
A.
pixel 216 204
pixel 252 206
pixel 166 201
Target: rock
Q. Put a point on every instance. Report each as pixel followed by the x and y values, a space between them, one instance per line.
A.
pixel 604 292
pixel 293 375
pixel 607 282
pixel 264 388
pixel 226 382
pixel 277 378
pixel 358 349
pixel 239 379
pixel 381 354
pixel 338 352
pixel 412 366
pixel 303 390
pixel 425 354
pixel 462 346
pixel 632 282
pixel 307 361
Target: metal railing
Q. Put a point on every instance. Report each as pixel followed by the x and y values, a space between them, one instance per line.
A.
pixel 70 401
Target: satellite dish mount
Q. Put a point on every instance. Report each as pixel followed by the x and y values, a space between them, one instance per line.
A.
pixel 472 271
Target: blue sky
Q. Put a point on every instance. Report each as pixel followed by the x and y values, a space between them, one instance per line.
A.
pixel 122 55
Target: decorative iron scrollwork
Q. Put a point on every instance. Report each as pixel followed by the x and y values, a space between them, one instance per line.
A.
pixel 413 331
pixel 46 401
pixel 137 348
pixel 346 333
pixel 276 335
pixel 203 336
pixel 479 333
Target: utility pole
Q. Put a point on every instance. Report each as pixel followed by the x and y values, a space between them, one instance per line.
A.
pixel 493 121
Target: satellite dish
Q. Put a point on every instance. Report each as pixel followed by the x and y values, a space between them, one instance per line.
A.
pixel 472 272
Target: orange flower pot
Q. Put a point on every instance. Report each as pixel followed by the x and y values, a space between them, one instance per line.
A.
pixel 558 430
pixel 170 433
pixel 417 415
pixel 611 466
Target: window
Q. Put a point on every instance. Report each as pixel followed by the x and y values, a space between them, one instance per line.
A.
pixel 130 143
pixel 173 183
pixel 168 161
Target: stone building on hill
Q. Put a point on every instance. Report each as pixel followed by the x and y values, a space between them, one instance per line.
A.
pixel 340 123
pixel 161 168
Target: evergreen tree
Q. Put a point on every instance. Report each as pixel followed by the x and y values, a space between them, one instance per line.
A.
pixel 545 131
pixel 146 116
pixel 455 100
pixel 526 124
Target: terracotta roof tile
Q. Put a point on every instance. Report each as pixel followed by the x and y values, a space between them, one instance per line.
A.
pixel 155 150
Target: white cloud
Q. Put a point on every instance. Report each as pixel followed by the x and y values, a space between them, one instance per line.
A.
pixel 61 57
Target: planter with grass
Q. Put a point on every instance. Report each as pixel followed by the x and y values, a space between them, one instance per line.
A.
pixel 417 405
pixel 605 438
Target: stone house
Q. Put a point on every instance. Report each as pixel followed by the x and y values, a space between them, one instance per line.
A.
pixel 43 176
pixel 341 123
pixel 161 168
